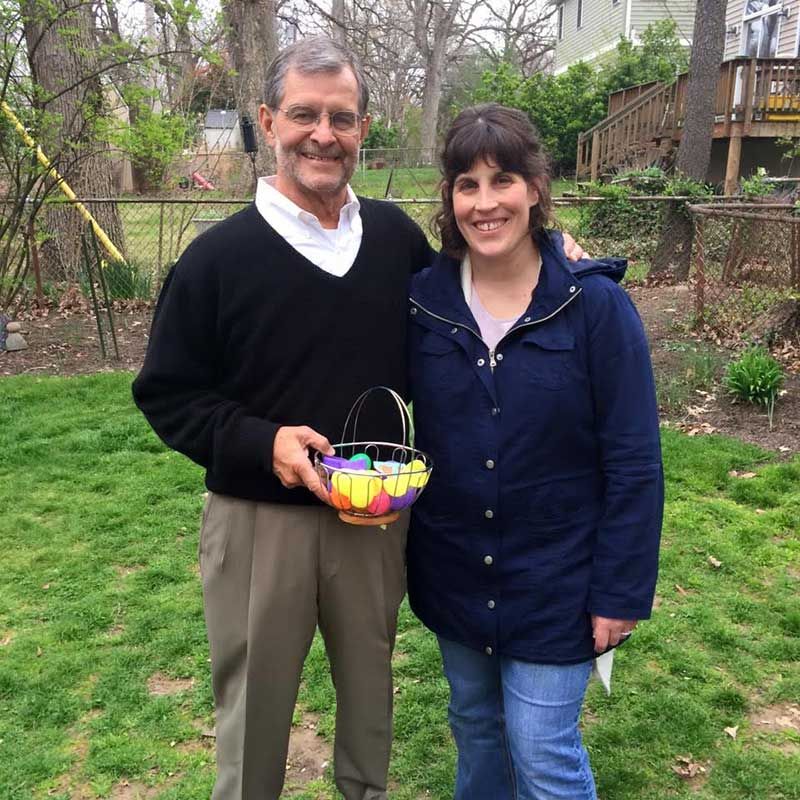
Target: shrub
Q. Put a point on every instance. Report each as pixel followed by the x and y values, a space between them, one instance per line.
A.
pixel 617 216
pixel 757 185
pixel 125 280
pixel 755 377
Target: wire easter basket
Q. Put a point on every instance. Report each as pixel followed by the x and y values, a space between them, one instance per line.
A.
pixel 370 483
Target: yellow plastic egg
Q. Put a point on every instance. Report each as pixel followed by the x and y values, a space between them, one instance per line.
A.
pixel 419 473
pixel 361 488
pixel 398 484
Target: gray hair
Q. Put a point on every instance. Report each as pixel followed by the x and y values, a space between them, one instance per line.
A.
pixel 317 54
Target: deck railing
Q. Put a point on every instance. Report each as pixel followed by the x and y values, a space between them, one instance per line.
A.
pixel 749 91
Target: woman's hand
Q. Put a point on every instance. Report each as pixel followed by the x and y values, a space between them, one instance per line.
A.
pixel 610 632
pixel 572 250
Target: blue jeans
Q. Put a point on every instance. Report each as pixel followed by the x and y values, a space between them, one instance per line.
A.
pixel 516 727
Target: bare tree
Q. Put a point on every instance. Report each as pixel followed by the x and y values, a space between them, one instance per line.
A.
pixel 694 153
pixel 434 26
pixel 520 32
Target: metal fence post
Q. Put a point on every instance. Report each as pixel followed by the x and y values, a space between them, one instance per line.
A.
pixel 700 269
pixel 160 262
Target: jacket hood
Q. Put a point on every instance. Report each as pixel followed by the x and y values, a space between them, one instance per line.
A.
pixel 612 267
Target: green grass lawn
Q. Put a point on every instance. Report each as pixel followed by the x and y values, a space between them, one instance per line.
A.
pixel 99 593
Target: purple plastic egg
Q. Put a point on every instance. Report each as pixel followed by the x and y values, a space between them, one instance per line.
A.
pixel 404 500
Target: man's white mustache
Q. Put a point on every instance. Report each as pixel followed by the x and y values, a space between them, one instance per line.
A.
pixel 333 153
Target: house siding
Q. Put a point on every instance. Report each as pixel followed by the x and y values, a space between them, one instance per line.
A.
pixel 645 12
pixel 787 35
pixel 733 18
pixel 603 24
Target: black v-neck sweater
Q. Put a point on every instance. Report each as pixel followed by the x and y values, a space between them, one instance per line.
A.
pixel 249 335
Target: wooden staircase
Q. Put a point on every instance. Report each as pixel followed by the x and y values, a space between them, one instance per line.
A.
pixel 755 97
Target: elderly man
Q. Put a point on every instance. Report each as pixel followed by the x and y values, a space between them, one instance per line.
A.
pixel 267 329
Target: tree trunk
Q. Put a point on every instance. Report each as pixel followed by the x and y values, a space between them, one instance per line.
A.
pixel 431 96
pixel 673 254
pixel 253 44
pixel 63 56
pixel 338 29
pixel 433 26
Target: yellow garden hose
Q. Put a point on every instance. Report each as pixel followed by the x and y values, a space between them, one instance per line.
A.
pixel 63 185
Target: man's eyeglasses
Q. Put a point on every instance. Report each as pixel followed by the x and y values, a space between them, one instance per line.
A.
pixel 346 122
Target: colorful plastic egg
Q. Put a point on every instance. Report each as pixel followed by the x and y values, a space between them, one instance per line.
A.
pixel 405 500
pixel 360 488
pixel 335 462
pixel 397 484
pixel 381 504
pixel 340 501
pixel 360 458
pixel 419 473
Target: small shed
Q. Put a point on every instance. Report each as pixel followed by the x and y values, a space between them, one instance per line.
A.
pixel 222 130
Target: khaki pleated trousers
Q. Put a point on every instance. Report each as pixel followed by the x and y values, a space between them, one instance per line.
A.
pixel 272 574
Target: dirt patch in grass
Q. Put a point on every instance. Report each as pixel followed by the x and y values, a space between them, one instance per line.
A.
pixel 160 685
pixel 678 354
pixel 777 718
pixel 134 791
pixel 309 754
pixel 124 572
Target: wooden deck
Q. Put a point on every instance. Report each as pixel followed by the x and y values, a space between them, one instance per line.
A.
pixel 755 98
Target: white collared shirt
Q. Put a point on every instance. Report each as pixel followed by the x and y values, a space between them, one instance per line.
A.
pixel 333 251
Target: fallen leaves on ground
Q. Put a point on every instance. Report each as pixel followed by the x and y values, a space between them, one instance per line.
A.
pixel 687 767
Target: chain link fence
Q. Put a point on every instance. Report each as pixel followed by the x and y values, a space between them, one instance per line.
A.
pixel 155 233
pixel 745 257
pixel 746 268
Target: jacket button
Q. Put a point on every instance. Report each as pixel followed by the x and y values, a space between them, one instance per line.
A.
pixel 489 464
pixel 488 513
pixel 491 604
pixel 481 362
pixel 413 309
pixel 488 560
pixel 499 356
pixel 571 289
pixel 453 330
pixel 527 319
pixel 495 411
pixel 488 650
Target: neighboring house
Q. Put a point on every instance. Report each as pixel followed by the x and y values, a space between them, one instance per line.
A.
pixel 222 130
pixel 757 104
pixel 586 30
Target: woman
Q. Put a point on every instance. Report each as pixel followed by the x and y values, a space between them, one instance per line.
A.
pixel 535 546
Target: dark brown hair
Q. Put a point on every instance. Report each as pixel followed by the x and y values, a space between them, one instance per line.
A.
pixel 503 136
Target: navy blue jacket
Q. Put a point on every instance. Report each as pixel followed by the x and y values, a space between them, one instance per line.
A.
pixel 546 497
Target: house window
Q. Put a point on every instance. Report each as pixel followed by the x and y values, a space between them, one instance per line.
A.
pixel 760 28
pixel 580 13
pixel 560 22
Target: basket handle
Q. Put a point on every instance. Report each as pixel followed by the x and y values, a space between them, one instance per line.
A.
pixel 355 412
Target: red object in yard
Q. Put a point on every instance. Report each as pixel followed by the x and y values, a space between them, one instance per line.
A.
pixel 201 182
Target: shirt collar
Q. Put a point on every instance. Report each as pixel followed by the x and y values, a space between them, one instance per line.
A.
pixel 267 196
